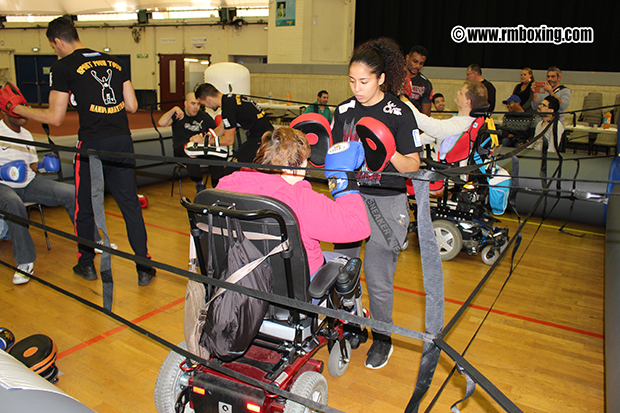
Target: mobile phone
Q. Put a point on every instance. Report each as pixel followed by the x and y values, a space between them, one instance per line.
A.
pixel 539 86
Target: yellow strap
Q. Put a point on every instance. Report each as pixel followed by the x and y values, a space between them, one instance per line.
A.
pixel 491 126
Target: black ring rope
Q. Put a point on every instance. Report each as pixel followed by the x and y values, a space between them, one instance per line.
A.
pixel 494 392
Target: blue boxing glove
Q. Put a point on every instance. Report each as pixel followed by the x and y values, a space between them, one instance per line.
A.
pixel 340 162
pixel 50 163
pixel 15 171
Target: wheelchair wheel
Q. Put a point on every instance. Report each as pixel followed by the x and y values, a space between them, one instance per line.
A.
pixel 170 381
pixel 311 385
pixel 449 239
pixel 338 364
pixel 489 255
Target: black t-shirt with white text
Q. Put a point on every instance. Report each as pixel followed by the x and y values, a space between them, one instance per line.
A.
pixel 94 81
pixel 400 121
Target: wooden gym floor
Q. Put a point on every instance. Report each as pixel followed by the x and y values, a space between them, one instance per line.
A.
pixel 538 338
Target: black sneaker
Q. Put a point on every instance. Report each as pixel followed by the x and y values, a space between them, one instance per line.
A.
pixel 379 353
pixel 145 277
pixel 354 335
pixel 200 186
pixel 88 272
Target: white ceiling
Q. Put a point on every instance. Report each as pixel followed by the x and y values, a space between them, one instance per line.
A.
pixel 57 7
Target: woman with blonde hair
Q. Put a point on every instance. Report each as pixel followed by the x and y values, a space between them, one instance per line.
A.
pixel 524 89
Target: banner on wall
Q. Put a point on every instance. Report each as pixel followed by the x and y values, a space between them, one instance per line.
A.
pixel 285 12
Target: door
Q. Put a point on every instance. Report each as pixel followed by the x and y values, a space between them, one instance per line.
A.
pixel 171 80
pixel 32 75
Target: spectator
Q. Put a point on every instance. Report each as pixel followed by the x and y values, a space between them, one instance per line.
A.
pixel 474 72
pixel 418 89
pixel 524 89
pixel 555 89
pixel 518 127
pixel 548 107
pixel 320 106
pixel 440 106
pixel 186 123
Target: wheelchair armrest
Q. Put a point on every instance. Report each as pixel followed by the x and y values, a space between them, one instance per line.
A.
pixel 325 278
pixel 342 272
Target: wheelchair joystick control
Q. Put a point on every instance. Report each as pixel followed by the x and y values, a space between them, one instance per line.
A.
pixel 347 281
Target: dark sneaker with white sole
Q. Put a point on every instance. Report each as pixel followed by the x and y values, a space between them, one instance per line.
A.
pixel 379 353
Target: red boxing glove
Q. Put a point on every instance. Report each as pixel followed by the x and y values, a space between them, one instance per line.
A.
pixel 10 97
pixel 319 133
pixel 143 201
pixel 378 141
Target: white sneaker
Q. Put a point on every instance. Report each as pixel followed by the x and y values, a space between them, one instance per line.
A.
pixel 98 251
pixel 19 278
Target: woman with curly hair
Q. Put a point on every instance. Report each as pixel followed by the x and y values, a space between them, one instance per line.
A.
pixel 376 77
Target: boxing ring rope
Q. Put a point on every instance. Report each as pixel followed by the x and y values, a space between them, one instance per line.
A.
pixel 437 339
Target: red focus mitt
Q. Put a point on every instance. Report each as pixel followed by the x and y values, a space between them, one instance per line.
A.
pixel 10 97
pixel 378 141
pixel 319 133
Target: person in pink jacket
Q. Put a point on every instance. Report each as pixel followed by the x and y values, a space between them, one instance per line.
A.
pixel 340 220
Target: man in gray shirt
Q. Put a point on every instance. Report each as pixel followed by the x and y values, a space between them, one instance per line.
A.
pixel 555 89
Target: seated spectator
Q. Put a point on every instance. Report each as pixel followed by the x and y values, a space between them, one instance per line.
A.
pixel 555 89
pixel 439 103
pixel 24 185
pixel 339 220
pixel 320 106
pixel 518 127
pixel 548 107
pixel 524 89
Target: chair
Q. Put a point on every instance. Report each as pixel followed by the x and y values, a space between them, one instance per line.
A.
pixel 29 205
pixel 592 117
pixel 177 175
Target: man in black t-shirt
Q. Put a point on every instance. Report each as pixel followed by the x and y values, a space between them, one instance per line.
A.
pixel 474 72
pixel 98 85
pixel 237 111
pixel 188 122
pixel 418 89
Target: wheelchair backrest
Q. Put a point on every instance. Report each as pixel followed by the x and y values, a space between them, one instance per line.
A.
pixel 463 146
pixel 255 229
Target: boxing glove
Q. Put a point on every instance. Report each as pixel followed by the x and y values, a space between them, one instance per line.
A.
pixel 378 141
pixel 15 171
pixel 318 131
pixel 50 163
pixel 11 97
pixel 144 202
pixel 340 162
